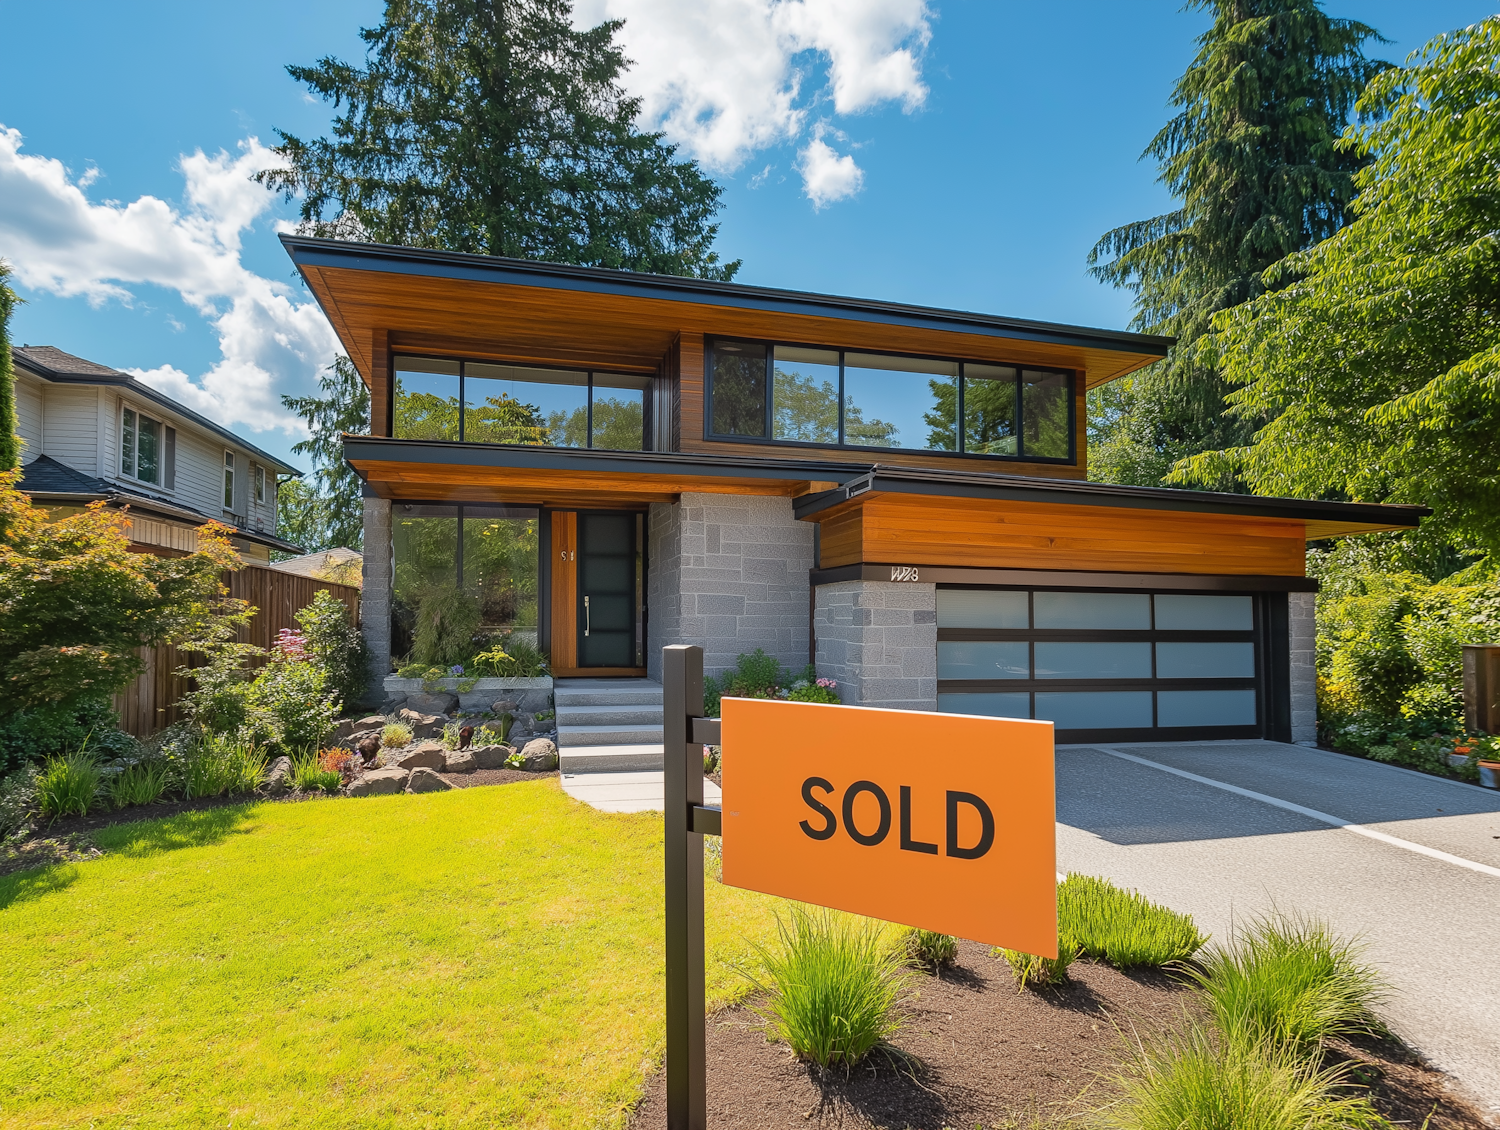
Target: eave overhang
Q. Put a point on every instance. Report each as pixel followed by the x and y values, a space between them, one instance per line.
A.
pixel 151 508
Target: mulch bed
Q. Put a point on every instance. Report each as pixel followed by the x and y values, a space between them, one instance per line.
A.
pixel 987 1055
pixel 493 777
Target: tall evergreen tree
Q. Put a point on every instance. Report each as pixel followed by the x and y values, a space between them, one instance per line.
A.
pixel 10 443
pixel 493 126
pixel 329 512
pixel 1254 161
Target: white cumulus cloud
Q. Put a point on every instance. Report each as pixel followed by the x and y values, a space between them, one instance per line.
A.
pixel 725 79
pixel 60 241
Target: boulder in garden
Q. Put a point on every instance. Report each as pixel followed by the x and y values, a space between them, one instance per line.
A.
pixel 423 725
pixel 379 782
pixel 490 756
pixel 539 756
pixel 278 777
pixel 440 702
pixel 426 755
pixel 460 761
pixel 426 781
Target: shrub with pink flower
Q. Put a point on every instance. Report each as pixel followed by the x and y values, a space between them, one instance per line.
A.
pixel 290 646
pixel 819 690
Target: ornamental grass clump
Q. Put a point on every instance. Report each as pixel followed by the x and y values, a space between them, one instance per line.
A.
pixel 928 949
pixel 68 784
pixel 1122 927
pixel 1199 1079
pixel 310 776
pixel 834 987
pixel 1289 983
pixel 220 765
pixel 141 783
pixel 1032 969
pixel 394 735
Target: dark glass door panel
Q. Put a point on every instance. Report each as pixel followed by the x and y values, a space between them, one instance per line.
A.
pixel 607 557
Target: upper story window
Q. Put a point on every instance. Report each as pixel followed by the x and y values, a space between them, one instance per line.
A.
pixel 229 481
pixel 481 402
pixel 766 392
pixel 140 446
pixel 258 478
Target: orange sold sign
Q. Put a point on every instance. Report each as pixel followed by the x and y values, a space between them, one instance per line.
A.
pixel 942 821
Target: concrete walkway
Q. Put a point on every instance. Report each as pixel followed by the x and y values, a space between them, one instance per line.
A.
pixel 626 792
pixel 1417 877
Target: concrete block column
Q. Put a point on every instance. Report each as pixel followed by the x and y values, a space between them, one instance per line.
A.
pixel 375 601
pixel 879 640
pixel 1302 636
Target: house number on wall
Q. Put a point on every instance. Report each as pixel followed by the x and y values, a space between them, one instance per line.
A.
pixel 903 572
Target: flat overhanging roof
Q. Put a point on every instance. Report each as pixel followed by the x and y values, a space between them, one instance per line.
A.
pixel 590 316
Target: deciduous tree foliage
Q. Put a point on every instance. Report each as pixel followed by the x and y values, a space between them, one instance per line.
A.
pixel 1376 358
pixel 76 603
pixel 10 444
pixel 493 126
pixel 1253 159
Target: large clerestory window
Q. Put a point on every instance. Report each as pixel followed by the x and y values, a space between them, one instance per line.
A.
pixel 768 393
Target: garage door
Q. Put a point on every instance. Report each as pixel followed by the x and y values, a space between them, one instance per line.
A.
pixel 1123 666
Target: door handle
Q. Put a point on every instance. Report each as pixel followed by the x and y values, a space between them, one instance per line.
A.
pixel 586 616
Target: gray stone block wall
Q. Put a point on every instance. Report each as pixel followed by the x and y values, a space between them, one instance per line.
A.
pixel 1302 636
pixel 375 600
pixel 729 573
pixel 879 640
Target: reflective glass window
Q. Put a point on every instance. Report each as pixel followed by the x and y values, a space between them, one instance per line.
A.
pixel 500 552
pixel 989 659
pixel 1095 710
pixel 739 389
pixel 1093 611
pixel 1207 660
pixel 805 395
pixel 512 404
pixel 992 705
pixel 426 399
pixel 981 608
pixel 148 450
pixel 990 410
pixel 1044 414
pixel 908 402
pixel 1205 708
pixel 619 412
pixel 1069 660
pixel 426 603
pixel 1177 612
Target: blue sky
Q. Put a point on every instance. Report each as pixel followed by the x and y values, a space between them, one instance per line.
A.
pixel 966 155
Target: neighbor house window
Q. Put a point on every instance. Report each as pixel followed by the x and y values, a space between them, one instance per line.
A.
pixel 140 446
pixel 798 394
pixel 260 483
pixel 484 402
pixel 229 481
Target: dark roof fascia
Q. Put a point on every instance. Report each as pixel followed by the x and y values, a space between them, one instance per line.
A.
pixel 309 251
pixel 948 484
pixel 141 388
pixel 530 457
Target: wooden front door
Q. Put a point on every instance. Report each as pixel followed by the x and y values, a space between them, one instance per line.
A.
pixel 597 593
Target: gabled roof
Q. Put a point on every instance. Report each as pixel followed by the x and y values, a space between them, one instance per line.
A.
pixel 46 480
pixel 52 364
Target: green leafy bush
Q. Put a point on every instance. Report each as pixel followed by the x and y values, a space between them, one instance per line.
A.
pixel 51 728
pixel 18 800
pixel 514 659
pixel 1034 969
pixel 1287 982
pixel 68 784
pixel 338 645
pixel 1122 927
pixel 309 775
pixel 288 706
pixel 1192 1078
pixel 142 783
pixel 758 675
pixel 833 987
pixel 819 690
pixel 927 949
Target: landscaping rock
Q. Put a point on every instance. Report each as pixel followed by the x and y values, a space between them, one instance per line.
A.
pixel 426 781
pixel 278 777
pixel 394 703
pixel 439 703
pixel 370 722
pixel 460 761
pixel 505 705
pixel 379 782
pixel 369 749
pixel 425 755
pixel 423 725
pixel 490 756
pixel 540 756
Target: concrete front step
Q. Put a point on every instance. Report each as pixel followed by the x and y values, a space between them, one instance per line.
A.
pixel 606 692
pixel 608 715
pixel 613 733
pixel 628 758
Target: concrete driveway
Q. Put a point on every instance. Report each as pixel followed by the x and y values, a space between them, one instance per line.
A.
pixel 1417 878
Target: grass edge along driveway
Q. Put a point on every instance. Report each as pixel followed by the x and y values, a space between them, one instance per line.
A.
pixel 477 957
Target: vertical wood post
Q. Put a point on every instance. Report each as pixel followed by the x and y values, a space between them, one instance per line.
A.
pixel 682 761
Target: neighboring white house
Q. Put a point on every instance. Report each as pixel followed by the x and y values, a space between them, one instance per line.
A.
pixel 92 432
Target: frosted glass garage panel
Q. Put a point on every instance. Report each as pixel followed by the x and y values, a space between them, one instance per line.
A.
pixel 998 705
pixel 1091 660
pixel 989 659
pixel 1095 710
pixel 1179 613
pixel 978 608
pixel 1093 611
pixel 1205 660
pixel 1205 708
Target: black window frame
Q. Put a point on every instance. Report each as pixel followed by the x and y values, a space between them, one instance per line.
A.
pixel 647 409
pixel 712 340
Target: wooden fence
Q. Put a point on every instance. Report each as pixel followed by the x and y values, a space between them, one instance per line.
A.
pixel 150 703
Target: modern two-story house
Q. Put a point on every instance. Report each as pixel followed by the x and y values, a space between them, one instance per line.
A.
pixel 92 432
pixel 611 462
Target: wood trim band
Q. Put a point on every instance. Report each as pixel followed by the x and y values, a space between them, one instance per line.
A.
pixel 1048 578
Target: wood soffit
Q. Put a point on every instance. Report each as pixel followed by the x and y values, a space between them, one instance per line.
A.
pixel 630 333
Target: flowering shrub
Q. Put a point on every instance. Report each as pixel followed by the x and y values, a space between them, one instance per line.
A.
pixel 290 645
pixel 340 761
pixel 819 690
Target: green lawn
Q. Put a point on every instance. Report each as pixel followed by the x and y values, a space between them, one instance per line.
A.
pixel 481 957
